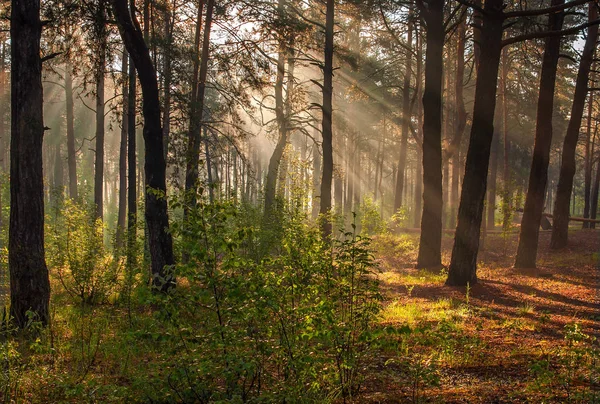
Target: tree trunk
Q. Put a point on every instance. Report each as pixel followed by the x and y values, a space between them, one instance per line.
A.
pixel 193 159
pixel 430 246
pixel 538 176
pixel 419 171
pixel 560 226
pixel 167 72
pixel 58 172
pixel 29 283
pixel 131 167
pixel 461 119
pixel 316 155
pixel 122 214
pixel 282 119
pixel 588 160
pixel 71 154
pixel 327 131
pixel 463 265
pixel 594 203
pixel 157 219
pixel 100 67
pixel 493 175
pixel 406 114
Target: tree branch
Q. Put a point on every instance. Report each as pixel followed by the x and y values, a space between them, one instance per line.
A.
pixel 547 34
pixel 542 11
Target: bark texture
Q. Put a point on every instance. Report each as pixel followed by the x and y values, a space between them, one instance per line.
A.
pixel 564 189
pixel 327 130
pixel 430 246
pixel 29 284
pixel 463 265
pixel 538 175
pixel 160 243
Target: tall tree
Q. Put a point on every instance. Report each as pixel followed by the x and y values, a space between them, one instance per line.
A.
pixel 430 246
pixel 101 36
pixel 327 108
pixel 131 164
pixel 71 154
pixel 588 163
pixel 122 210
pixel 406 115
pixel 560 226
pixel 193 157
pixel 461 117
pixel 538 176
pixel 463 263
pixel 157 220
pixel 29 283
pixel 280 115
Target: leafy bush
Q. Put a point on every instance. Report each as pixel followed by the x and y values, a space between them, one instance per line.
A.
pixel 291 327
pixel 78 257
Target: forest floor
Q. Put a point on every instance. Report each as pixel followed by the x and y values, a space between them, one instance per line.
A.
pixel 515 336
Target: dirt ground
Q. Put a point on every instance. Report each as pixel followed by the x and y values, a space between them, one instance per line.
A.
pixel 507 334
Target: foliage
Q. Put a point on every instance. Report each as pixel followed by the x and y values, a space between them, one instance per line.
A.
pixel 76 251
pixel 289 327
pixel 370 217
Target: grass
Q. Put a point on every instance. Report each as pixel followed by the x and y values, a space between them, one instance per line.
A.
pixel 535 331
pixel 413 313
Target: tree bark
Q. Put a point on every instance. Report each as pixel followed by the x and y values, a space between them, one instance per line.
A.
pixel 461 119
pixel 316 155
pixel 595 189
pixel 588 160
pixel 157 219
pixel 493 176
pixel 193 158
pixel 430 246
pixel 463 265
pixel 281 118
pixel 100 67
pixel 560 225
pixel 131 167
pixel 406 115
pixel 538 176
pixel 418 196
pixel 167 73
pixel 29 283
pixel 327 131
pixel 122 213
pixel 71 154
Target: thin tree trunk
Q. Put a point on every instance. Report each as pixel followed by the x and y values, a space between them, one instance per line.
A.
pixel 193 160
pixel 538 176
pixel 430 246
pixel 122 214
pixel 211 183
pixel 588 160
pixel 327 131
pixel 157 219
pixel 463 265
pixel 131 167
pixel 560 228
pixel 461 118
pixel 406 115
pixel 419 171
pixel 493 175
pixel 167 73
pixel 594 203
pixel 29 283
pixel 100 110
pixel 281 118
pixel 71 154
pixel 316 155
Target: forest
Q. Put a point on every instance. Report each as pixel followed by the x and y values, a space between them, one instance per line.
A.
pixel 299 201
